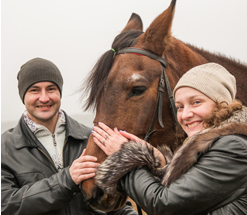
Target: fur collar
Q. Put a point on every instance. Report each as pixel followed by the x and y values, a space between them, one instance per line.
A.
pixel 134 155
pixel 186 156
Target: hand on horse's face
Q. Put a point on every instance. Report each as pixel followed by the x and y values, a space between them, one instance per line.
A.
pixel 108 140
pixel 83 168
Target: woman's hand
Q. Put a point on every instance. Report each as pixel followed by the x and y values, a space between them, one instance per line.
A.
pixel 107 139
pixel 110 140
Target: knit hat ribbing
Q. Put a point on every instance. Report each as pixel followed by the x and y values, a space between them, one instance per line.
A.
pixel 38 70
pixel 211 79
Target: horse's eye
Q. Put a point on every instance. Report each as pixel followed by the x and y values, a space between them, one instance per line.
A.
pixel 137 91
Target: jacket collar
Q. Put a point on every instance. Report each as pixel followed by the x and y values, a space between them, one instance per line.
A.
pixel 39 129
pixel 24 137
pixel 76 129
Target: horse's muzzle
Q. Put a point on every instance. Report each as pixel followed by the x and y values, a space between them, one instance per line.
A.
pixel 101 201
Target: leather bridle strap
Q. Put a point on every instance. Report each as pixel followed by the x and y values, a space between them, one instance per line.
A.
pixel 143 52
pixel 163 82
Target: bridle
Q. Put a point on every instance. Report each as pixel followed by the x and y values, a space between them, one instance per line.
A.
pixel 162 83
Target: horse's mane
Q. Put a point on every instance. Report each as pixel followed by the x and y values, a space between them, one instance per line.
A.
pixel 224 60
pixel 93 86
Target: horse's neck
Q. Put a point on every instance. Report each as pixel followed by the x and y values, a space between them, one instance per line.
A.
pixel 186 56
pixel 229 63
pixel 181 57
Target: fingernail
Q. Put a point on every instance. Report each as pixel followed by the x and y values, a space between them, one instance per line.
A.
pixel 92 131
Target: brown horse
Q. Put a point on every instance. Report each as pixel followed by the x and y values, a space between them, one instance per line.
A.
pixel 123 87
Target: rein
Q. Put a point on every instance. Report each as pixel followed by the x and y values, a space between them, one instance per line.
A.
pixel 162 83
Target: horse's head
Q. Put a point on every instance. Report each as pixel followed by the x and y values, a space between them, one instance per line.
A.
pixel 124 88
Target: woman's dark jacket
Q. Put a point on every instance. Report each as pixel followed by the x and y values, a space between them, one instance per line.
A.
pixel 31 184
pixel 207 175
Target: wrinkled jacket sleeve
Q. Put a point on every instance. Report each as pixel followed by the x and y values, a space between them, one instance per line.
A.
pixel 44 196
pixel 219 177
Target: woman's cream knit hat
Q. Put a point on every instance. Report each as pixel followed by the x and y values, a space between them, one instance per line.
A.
pixel 211 79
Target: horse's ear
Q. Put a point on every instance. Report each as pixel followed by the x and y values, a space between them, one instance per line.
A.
pixel 160 29
pixel 134 23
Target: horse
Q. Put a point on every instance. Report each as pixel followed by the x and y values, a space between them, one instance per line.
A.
pixel 123 88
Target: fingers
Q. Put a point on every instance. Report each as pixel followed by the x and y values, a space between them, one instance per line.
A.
pixel 108 131
pixel 109 141
pixel 100 135
pixel 83 153
pixel 78 175
pixel 83 168
pixel 99 144
pixel 86 164
pixel 130 136
pixel 85 158
pixel 85 177
pixel 117 131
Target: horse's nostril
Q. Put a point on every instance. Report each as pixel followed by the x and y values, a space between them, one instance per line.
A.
pixel 97 197
pixel 97 193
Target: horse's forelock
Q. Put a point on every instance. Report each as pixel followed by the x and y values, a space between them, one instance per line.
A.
pixel 94 85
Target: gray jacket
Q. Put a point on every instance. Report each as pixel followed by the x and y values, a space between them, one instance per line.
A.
pixel 31 184
pixel 215 185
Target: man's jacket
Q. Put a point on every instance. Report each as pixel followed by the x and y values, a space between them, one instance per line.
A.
pixel 31 184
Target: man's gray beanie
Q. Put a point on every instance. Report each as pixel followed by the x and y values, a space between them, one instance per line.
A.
pixel 38 70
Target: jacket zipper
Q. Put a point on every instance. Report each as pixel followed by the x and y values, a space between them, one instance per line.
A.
pixel 48 158
pixel 54 141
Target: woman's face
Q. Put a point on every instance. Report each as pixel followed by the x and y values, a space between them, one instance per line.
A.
pixel 192 107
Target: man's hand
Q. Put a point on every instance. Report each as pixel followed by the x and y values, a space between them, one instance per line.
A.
pixel 83 168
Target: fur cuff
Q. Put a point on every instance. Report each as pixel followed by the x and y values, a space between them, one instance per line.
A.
pixel 132 155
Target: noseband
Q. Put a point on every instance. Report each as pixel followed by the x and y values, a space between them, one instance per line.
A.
pixel 162 83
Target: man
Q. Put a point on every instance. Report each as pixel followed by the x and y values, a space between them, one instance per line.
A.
pixel 43 159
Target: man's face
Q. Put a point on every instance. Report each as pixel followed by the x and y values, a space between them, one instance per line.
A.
pixel 42 101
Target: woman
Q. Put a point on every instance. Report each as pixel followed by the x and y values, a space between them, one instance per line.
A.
pixel 207 174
